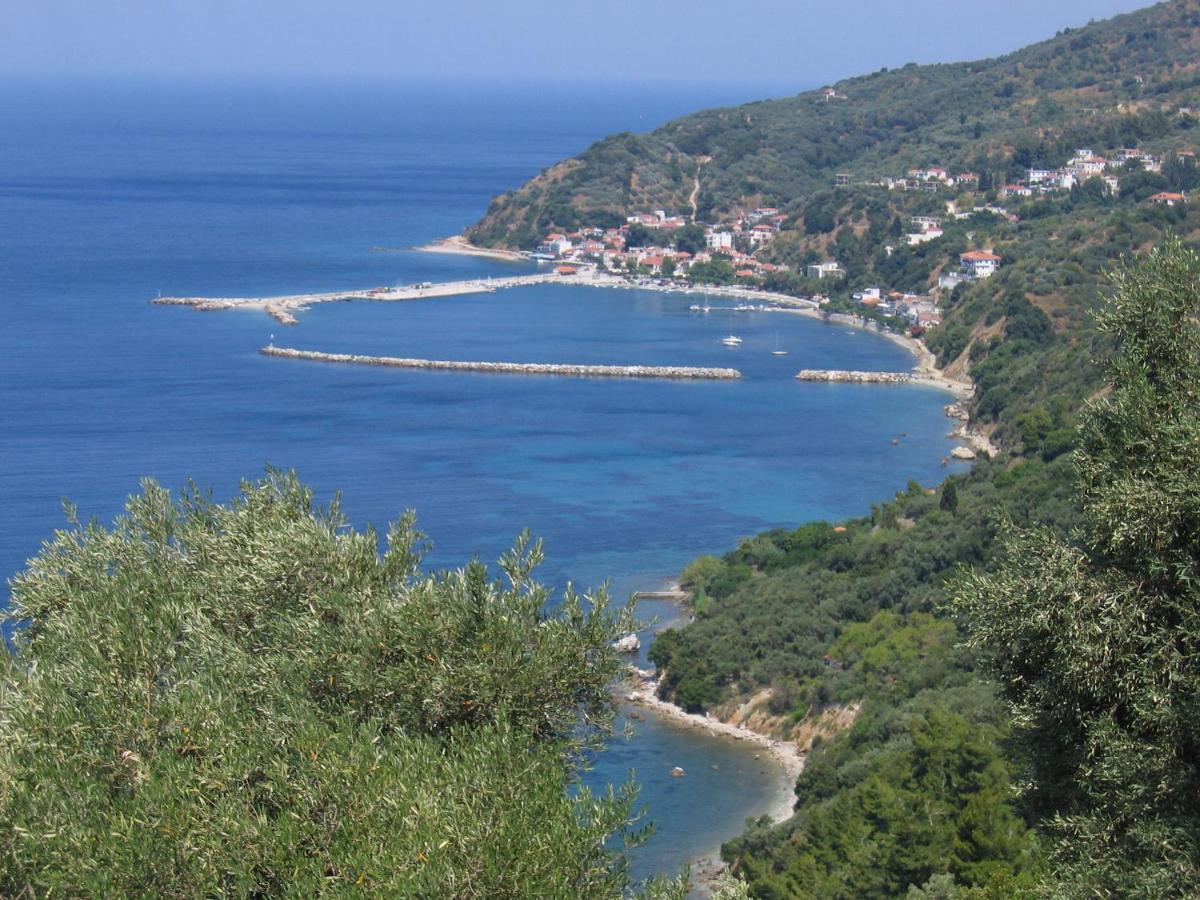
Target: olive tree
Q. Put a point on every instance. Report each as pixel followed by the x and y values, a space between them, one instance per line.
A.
pixel 1096 639
pixel 251 699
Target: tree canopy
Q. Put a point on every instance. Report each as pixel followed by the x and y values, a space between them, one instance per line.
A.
pixel 251 699
pixel 1095 638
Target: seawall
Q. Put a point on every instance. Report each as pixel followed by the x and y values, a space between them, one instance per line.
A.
pixel 578 371
pixel 857 377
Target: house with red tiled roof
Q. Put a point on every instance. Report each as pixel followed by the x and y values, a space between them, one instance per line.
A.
pixel 1166 198
pixel 979 263
pixel 929 319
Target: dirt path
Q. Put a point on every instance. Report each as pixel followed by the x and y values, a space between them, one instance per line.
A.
pixel 695 191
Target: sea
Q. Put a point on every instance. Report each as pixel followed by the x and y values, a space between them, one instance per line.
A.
pixel 112 193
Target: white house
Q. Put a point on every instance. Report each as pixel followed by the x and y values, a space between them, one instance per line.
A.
pixel 761 234
pixel 719 240
pixel 933 173
pixel 979 263
pixel 949 281
pixel 554 245
pixel 923 237
pixel 1087 166
pixel 824 270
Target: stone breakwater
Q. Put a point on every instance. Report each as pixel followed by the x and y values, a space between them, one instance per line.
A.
pixel 578 371
pixel 284 308
pixel 858 377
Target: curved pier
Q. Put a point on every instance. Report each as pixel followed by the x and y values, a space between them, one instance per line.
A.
pixel 578 371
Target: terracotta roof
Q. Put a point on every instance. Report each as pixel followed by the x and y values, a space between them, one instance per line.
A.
pixel 978 256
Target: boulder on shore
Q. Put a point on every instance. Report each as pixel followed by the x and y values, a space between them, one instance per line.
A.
pixel 962 453
pixel 628 644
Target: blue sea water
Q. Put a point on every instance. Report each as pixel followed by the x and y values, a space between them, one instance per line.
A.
pixel 110 194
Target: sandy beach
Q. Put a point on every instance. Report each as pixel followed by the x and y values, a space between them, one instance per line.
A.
pixel 461 246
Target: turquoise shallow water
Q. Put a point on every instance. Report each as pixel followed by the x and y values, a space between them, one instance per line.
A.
pixel 105 202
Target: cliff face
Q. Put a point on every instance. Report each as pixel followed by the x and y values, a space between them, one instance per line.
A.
pixel 964 116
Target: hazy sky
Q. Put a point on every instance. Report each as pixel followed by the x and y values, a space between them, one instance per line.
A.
pixel 804 42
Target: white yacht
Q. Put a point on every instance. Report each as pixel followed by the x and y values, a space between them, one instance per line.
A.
pixel 732 341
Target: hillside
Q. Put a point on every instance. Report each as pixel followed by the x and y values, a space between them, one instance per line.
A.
pixel 1126 77
pixel 922 790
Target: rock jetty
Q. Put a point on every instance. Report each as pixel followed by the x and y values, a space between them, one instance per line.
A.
pixel 856 377
pixel 579 371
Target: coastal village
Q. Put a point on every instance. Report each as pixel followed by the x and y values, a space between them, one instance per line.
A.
pixel 646 248
pixel 674 249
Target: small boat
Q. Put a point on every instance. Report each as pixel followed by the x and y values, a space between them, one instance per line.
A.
pixel 732 341
pixel 777 351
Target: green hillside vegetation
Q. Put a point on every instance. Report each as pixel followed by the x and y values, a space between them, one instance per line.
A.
pixel 248 700
pixel 830 619
pixel 935 789
pixel 1113 84
pixel 1085 614
pixel 1095 638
